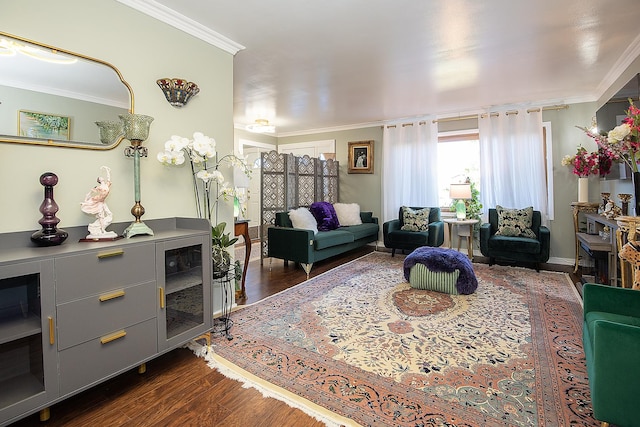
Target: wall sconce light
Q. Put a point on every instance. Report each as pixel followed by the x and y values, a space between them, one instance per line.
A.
pixel 178 91
pixel 136 130
pixel 460 192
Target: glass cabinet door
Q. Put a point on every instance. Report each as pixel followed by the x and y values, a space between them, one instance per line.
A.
pixel 184 291
pixel 27 337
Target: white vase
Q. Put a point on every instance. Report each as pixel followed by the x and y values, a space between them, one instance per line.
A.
pixel 583 189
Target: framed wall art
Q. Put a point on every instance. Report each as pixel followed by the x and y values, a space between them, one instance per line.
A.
pixel 361 157
pixel 33 124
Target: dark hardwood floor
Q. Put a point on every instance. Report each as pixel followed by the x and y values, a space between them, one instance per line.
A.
pixel 179 389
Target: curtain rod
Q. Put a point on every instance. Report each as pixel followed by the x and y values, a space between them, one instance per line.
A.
pixel 475 116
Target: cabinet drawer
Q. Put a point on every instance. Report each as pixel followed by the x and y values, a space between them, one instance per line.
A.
pixel 94 360
pixel 85 319
pixel 102 270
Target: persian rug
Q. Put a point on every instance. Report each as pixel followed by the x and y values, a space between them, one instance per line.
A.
pixel 358 346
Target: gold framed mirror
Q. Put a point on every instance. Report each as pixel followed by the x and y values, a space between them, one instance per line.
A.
pixel 51 96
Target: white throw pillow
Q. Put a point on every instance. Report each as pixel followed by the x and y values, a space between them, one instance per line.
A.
pixel 303 218
pixel 348 213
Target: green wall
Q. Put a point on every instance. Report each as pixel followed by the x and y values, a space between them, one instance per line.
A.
pixel 144 50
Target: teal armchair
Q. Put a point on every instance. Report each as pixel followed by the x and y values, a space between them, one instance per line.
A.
pixel 611 340
pixel 396 238
pixel 515 249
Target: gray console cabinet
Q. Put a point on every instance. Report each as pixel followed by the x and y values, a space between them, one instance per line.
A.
pixel 74 315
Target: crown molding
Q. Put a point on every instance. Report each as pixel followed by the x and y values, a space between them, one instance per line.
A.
pixel 181 22
pixel 630 54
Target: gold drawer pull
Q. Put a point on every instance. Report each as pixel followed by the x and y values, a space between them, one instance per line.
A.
pixel 114 336
pixel 112 295
pixel 161 297
pixel 109 254
pixel 52 336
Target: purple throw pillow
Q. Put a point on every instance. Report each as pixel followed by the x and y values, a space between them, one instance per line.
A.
pixel 325 215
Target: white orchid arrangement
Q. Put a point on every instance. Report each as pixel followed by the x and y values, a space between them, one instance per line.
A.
pixel 208 180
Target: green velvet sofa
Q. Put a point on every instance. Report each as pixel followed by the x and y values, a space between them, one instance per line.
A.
pixel 303 247
pixel 611 340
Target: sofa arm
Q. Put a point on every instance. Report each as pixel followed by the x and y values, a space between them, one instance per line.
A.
pixel 613 372
pixel 436 234
pixel 291 244
pixel 485 234
pixel 609 299
pixel 388 227
pixel 544 236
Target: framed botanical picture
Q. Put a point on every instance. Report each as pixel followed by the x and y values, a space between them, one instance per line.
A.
pixel 32 124
pixel 361 157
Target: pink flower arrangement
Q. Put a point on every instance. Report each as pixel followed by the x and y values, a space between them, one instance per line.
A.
pixel 622 143
pixel 583 162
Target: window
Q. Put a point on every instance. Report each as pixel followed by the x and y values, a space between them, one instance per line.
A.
pixel 458 158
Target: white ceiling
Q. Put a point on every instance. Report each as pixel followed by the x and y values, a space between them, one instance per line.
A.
pixel 315 65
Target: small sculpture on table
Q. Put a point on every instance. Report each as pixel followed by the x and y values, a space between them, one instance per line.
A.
pixel 612 210
pixel 94 203
pixel 49 235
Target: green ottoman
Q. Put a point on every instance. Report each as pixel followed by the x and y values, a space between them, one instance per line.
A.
pixel 440 270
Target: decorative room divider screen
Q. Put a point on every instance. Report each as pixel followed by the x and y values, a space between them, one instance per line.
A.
pixel 289 181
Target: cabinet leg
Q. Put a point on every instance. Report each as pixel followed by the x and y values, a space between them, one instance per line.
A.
pixel 142 368
pixel 45 414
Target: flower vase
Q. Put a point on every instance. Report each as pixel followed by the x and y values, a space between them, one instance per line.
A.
pixel 583 189
pixel 636 192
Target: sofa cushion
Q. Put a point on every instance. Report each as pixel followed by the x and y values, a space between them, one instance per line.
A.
pixel 412 238
pixel 415 220
pixel 515 222
pixel 302 218
pixel 325 216
pixel 366 216
pixel 348 213
pixel 523 245
pixel 594 316
pixel 327 239
pixel 361 231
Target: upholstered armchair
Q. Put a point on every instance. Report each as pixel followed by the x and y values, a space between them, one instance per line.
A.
pixel 515 246
pixel 413 229
pixel 611 340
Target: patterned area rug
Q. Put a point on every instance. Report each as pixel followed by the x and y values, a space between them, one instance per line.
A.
pixel 361 343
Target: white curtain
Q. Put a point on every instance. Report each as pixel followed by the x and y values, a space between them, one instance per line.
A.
pixel 512 161
pixel 410 169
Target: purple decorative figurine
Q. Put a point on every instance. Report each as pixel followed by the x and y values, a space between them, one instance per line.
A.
pixel 49 235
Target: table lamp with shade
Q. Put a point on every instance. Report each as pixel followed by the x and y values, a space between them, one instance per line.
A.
pixel 460 192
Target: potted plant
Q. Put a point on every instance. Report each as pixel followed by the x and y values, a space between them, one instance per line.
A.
pixel 220 241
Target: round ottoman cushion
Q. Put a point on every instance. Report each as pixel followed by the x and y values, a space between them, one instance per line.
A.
pixel 440 269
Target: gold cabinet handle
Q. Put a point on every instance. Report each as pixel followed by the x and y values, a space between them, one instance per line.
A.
pixel 112 295
pixel 109 254
pixel 161 297
pixel 112 337
pixel 52 336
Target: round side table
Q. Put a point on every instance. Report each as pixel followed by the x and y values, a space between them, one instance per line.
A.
pixel 462 232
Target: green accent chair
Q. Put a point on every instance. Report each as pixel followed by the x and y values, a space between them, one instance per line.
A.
pixel 611 340
pixel 395 238
pixel 515 249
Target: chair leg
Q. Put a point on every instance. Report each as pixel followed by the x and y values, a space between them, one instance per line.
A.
pixel 604 424
pixel 393 251
pixel 491 261
pixel 538 267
